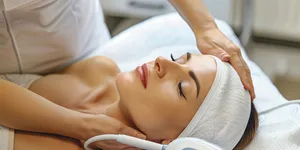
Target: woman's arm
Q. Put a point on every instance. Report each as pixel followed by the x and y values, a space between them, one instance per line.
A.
pixel 195 14
pixel 25 110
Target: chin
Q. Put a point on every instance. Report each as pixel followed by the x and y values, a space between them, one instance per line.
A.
pixel 124 77
pixel 126 82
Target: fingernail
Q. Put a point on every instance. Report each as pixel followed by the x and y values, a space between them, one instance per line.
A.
pixel 246 86
pixel 225 57
pixel 141 136
pixel 166 142
pixel 253 97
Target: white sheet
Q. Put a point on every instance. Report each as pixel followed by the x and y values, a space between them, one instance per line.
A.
pixel 167 34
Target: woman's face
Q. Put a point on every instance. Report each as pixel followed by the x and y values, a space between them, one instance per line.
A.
pixel 162 96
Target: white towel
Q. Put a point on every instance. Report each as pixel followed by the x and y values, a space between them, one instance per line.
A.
pixel 4 137
pixel 223 116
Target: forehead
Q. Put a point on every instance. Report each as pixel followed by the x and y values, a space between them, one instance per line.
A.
pixel 202 63
pixel 205 68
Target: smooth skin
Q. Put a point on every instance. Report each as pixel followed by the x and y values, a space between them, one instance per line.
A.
pixel 166 106
pixel 38 114
pixel 95 86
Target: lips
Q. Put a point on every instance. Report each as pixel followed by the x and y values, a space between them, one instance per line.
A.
pixel 143 73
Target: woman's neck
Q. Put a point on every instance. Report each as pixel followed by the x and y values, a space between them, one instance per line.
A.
pixel 115 110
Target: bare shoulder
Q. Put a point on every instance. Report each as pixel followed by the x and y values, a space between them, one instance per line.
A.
pixel 93 71
pixel 95 64
pixel 103 63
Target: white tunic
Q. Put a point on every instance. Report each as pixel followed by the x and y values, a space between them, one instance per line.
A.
pixel 42 36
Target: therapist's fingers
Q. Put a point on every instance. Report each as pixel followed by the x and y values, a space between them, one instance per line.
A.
pixel 166 141
pixel 229 52
pixel 114 126
pixel 102 124
pixel 214 42
pixel 248 73
pixel 130 131
pixel 238 63
pixel 131 148
pixel 207 46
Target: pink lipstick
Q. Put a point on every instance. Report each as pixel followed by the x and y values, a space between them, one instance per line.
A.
pixel 143 73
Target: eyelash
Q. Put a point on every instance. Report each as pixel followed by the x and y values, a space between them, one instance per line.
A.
pixel 179 84
pixel 180 90
pixel 172 58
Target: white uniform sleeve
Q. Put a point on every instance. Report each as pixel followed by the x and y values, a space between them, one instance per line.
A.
pixel 23 80
pixel 42 36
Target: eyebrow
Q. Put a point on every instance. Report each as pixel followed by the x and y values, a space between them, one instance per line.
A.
pixel 188 56
pixel 194 77
pixel 192 74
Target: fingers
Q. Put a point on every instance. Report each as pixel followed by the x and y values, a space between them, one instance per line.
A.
pixel 251 88
pixel 166 141
pixel 108 145
pixel 130 131
pixel 241 67
pixel 111 145
pixel 221 54
pixel 238 63
pixel 233 54
pixel 131 148
pixel 214 42
pixel 110 125
pixel 212 48
pixel 117 127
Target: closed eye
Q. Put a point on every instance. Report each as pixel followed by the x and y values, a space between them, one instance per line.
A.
pixel 172 58
pixel 180 90
pixel 179 84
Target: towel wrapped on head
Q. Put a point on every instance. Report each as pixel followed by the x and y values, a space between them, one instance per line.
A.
pixel 223 116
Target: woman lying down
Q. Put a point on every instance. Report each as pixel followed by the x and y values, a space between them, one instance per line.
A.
pixel 191 96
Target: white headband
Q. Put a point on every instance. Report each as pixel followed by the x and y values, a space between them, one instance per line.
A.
pixel 223 116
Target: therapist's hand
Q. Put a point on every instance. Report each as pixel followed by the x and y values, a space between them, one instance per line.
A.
pixel 212 41
pixel 102 124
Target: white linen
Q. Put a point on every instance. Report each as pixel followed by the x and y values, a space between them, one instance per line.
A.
pixel 160 36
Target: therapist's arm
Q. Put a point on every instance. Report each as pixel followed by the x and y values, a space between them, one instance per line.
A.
pixel 195 14
pixel 210 40
pixel 22 109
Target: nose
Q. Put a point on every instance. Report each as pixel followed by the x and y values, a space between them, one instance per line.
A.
pixel 163 66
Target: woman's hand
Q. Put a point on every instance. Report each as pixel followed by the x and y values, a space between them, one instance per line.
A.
pixel 212 41
pixel 101 124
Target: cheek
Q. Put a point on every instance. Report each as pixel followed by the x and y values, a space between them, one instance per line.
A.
pixel 126 84
pixel 150 119
pixel 156 109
